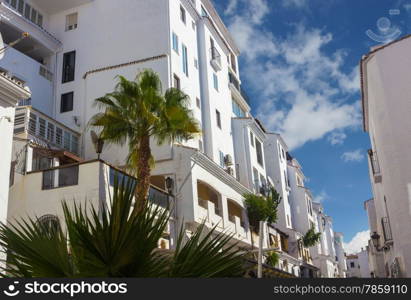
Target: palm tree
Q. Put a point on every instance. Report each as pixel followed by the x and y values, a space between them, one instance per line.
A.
pixel 136 112
pixel 114 243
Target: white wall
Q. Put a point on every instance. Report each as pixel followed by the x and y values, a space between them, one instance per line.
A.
pixel 389 108
pixel 27 69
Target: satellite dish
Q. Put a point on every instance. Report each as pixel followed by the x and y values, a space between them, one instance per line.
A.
pixel 1 46
pixel 98 143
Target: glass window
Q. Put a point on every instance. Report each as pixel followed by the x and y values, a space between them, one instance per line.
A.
pixel 40 20
pixel 69 64
pixel 175 42
pixel 252 139
pixel 71 21
pixel 215 81
pixel 218 118
pixel 34 16
pixel 237 110
pixel 198 103
pixel 21 6
pixel 66 144
pixel 183 14
pixel 59 136
pixel 259 152
pixel 221 159
pixel 185 60
pixel 74 144
pixel 50 132
pixel 66 102
pixel 27 11
pixel 42 127
pixel 256 180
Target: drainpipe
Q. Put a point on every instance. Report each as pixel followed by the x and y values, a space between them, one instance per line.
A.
pixel 260 250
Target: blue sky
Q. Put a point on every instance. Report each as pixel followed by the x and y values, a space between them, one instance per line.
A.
pixel 299 65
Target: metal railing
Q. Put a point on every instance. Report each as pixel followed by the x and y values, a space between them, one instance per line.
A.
pixel 234 81
pixel 375 165
pixel 386 228
pixel 60 177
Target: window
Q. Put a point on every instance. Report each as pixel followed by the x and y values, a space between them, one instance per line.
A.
pixel 42 128
pixel 198 103
pixel 256 180
pixel 66 140
pixel 66 102
pixel 50 132
pixel 200 146
pixel 218 118
pixel 287 182
pixel 259 152
pixel 309 207
pixel 263 182
pixel 237 110
pixel 215 81
pixel 252 139
pixel 20 8
pixel 352 265
pixel 203 12
pixel 193 25
pixel 71 21
pixel 40 20
pixel 69 62
pixel 183 14
pixel 175 42
pixel 196 63
pixel 33 17
pixel 288 220
pixel 221 154
pixel 185 60
pixel 74 144
pixel 27 11
pixel 176 83
pixel 13 3
pixel 59 136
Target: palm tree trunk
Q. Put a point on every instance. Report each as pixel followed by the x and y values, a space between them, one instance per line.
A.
pixel 143 174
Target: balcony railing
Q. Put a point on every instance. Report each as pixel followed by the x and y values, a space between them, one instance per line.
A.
pixel 215 58
pixel 60 177
pixel 33 122
pixel 375 165
pixel 386 228
pixel 155 196
pixel 234 81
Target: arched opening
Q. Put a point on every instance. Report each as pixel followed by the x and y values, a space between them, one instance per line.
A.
pixel 207 193
pixel 235 210
pixel 49 223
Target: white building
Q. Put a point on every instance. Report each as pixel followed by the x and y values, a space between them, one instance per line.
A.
pixel 11 91
pixel 340 254
pixel 386 111
pixel 375 257
pixel 358 266
pixel 72 57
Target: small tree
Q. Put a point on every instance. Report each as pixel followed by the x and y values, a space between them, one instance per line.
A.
pixel 272 258
pixel 260 208
pixel 311 238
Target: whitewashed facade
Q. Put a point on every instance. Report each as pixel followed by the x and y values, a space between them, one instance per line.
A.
pixel 386 107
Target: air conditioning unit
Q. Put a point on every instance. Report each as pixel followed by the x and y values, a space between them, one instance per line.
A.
pixel 228 160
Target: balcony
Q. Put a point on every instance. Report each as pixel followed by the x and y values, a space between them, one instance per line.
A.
pixel 375 166
pixel 14 22
pixel 215 59
pixel 386 228
pixel 236 88
pixel 55 6
pixel 32 124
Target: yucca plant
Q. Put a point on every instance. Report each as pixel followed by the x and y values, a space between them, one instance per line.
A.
pixel 114 243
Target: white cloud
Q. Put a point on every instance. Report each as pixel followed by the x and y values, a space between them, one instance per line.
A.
pixel 353 156
pixel 337 138
pixel 321 197
pixel 360 240
pixel 302 91
pixel 295 3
